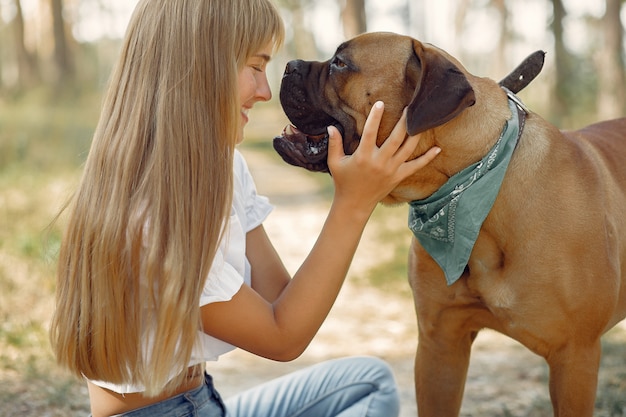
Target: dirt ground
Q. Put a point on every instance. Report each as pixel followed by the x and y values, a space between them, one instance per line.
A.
pixel 504 378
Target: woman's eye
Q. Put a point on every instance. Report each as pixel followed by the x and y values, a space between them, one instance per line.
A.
pixel 257 67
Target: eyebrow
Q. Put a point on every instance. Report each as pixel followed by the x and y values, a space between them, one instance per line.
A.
pixel 265 57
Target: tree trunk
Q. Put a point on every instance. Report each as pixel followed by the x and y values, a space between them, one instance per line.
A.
pixel 353 17
pixel 561 60
pixel 302 44
pixel 27 66
pixel 611 82
pixel 62 54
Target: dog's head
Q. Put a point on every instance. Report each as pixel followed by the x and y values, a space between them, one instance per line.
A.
pixel 341 91
pixel 398 70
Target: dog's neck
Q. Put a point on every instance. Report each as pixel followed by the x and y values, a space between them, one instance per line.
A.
pixel 466 198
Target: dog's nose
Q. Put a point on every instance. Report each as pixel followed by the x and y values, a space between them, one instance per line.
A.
pixel 293 66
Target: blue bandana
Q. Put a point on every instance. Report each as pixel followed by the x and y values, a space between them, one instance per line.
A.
pixel 447 223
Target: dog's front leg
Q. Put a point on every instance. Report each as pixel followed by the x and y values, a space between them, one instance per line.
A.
pixel 448 319
pixel 441 366
pixel 574 379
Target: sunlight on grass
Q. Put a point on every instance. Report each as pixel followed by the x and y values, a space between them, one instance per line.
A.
pixel 394 238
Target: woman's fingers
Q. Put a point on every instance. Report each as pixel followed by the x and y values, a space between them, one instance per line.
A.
pixel 414 165
pixel 335 144
pixel 396 138
pixel 372 123
pixel 393 154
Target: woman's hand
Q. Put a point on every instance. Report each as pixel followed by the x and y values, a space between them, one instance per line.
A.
pixel 278 317
pixel 372 172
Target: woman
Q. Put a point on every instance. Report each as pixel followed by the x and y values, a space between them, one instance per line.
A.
pixel 165 263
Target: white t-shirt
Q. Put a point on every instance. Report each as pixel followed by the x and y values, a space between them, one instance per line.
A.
pixel 230 269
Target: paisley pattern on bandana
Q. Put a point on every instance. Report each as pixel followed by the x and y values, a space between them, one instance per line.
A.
pixel 448 222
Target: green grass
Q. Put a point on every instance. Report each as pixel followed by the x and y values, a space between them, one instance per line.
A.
pixel 42 146
pixel 394 238
pixel 39 138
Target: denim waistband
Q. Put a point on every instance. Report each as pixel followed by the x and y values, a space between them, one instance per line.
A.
pixel 203 401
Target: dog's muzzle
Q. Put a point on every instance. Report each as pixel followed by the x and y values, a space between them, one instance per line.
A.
pixel 305 142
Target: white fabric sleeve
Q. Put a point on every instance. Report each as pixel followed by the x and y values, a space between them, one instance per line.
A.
pixel 257 207
pixel 230 269
pixel 223 282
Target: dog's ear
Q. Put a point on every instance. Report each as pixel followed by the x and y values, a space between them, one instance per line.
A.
pixel 441 90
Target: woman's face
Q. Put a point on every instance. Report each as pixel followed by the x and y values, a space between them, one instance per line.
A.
pixel 253 85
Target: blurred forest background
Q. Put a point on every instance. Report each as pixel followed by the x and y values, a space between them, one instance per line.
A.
pixel 66 47
pixel 55 59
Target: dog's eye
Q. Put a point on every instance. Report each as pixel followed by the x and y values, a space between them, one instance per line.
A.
pixel 337 63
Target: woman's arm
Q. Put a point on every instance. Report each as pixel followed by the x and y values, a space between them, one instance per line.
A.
pixel 281 329
pixel 269 275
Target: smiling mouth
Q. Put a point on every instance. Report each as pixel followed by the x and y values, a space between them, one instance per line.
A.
pixel 299 149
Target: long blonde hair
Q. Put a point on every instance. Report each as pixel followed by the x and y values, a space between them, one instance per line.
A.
pixel 156 190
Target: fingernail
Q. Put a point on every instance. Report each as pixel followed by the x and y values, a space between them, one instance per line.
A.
pixel 379 104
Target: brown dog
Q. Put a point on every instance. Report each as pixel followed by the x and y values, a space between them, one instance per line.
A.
pixel 529 222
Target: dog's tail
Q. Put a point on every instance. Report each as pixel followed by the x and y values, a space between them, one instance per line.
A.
pixel 525 72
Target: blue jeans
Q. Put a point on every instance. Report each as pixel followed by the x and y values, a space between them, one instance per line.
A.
pixel 350 387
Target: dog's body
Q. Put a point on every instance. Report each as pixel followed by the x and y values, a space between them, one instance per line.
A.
pixel 548 267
